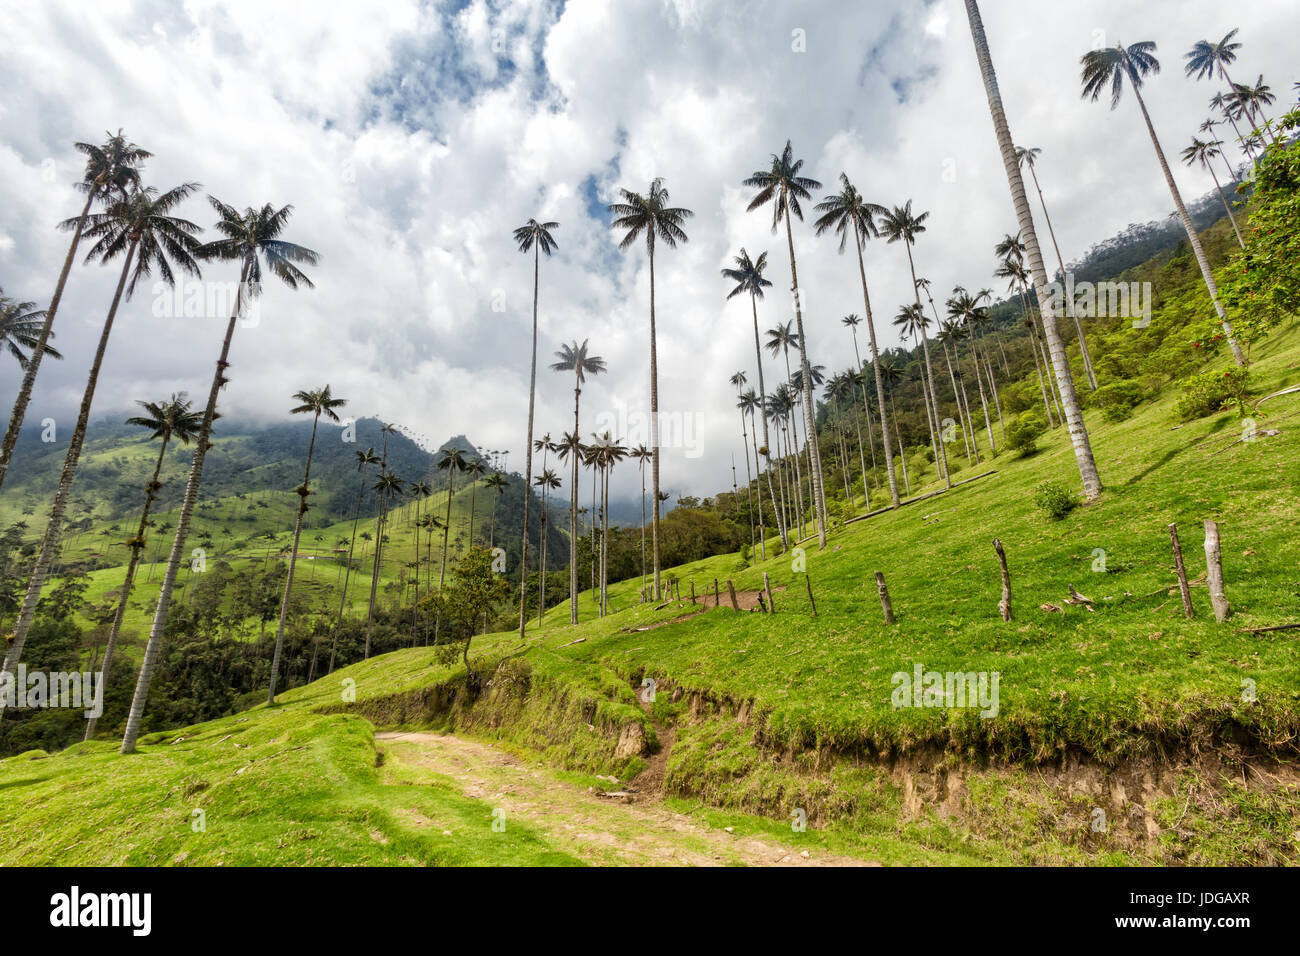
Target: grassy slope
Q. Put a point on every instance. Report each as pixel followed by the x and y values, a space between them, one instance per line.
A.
pixel 1121 681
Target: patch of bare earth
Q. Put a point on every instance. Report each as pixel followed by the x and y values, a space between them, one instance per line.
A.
pixel 624 826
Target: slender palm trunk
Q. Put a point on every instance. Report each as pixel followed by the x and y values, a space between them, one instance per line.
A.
pixel 446 528
pixel 528 451
pixel 347 576
pixel 159 627
pixel 1226 206
pixel 54 529
pixel 303 492
pixel 984 405
pixel 941 461
pixel 767 444
pixel 541 560
pixel 38 352
pixel 818 491
pixel 573 514
pixel 654 418
pixel 379 548
pixel 1074 418
pixel 902 454
pixel 1069 305
pixel 643 594
pixel 875 368
pixel 749 477
pixel 137 548
pixel 473 503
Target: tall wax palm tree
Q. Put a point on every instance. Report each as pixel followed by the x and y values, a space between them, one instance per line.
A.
pixel 738 380
pixel 419 492
pixel 574 358
pixel 315 402
pixel 112 171
pixel 1110 68
pixel 856 381
pixel 900 225
pixel 1209 127
pixel 475 469
pixel 1028 156
pixel 893 374
pixel 782 186
pixel 385 493
pixel 387 488
pixel 166 420
pixel 1065 381
pixel 452 461
pixel 1206 59
pixel 650 214
pixel 1014 271
pixel 911 319
pixel 1251 101
pixel 603 454
pixel 536 237
pixel 548 480
pixel 20 328
pixel 249 238
pixel 642 454
pixel 748 276
pixel 963 413
pixel 498 483
pixel 951 332
pixel 779 341
pixel 364 460
pixel 1202 152
pixel 140 229
pixel 847 212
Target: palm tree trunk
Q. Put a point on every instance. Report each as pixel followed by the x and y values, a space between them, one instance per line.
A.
pixel 293 563
pixel 159 627
pixel 54 529
pixel 528 450
pixel 762 397
pixel 902 455
pixel 573 515
pixel 1226 206
pixel 34 363
pixel 819 494
pixel 643 594
pixel 541 560
pixel 473 502
pixel 137 548
pixel 654 419
pixel 749 477
pixel 380 526
pixel 875 367
pixel 1074 417
pixel 338 622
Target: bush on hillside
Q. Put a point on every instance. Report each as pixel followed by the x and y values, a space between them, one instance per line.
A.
pixel 1117 399
pixel 1055 499
pixel 1212 391
pixel 1023 433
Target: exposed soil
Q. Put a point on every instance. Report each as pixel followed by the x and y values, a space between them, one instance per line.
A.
pixel 615 826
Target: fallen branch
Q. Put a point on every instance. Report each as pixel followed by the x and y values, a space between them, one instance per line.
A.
pixel 1275 627
pixel 571 643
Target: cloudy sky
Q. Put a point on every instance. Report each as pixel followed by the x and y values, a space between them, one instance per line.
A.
pixel 411 138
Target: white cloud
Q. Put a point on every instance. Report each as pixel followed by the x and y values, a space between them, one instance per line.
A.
pixel 412 138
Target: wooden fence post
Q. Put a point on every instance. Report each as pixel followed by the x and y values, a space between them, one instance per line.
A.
pixel 692 590
pixel 717 595
pixel 1214 571
pixel 731 589
pixel 1181 569
pixel 807 580
pixel 885 604
pixel 767 586
pixel 1005 604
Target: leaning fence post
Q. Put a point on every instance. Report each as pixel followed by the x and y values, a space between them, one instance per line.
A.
pixel 807 580
pixel 731 589
pixel 692 590
pixel 1214 571
pixel 885 604
pixel 1181 569
pixel 1005 604
pixel 767 586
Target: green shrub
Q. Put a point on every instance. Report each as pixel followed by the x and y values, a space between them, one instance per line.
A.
pixel 1055 498
pixel 1023 432
pixel 1124 394
pixel 1117 413
pixel 1212 391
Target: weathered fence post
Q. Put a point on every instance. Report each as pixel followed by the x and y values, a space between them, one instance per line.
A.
pixel 1214 571
pixel 1005 604
pixel 885 604
pixel 717 595
pixel 807 580
pixel 767 586
pixel 1181 569
pixel 731 589
pixel 692 590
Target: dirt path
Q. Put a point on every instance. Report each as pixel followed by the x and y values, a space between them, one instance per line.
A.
pixel 623 828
